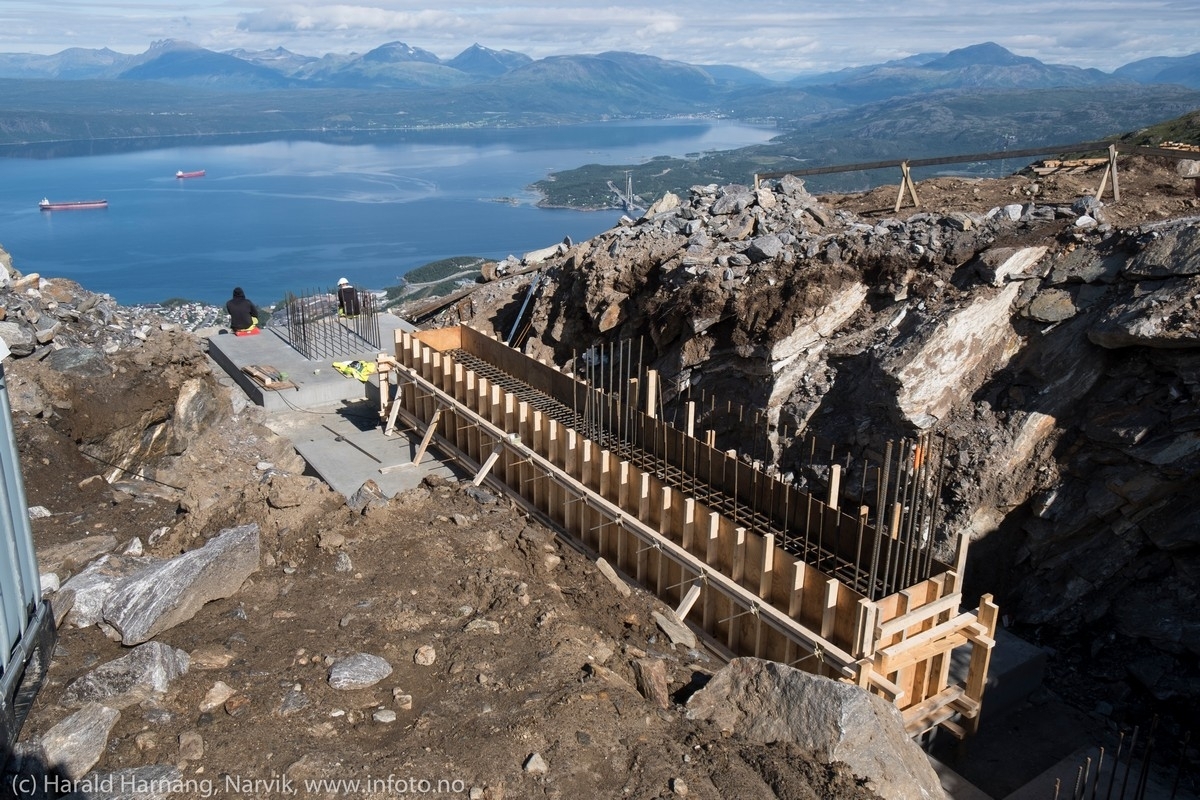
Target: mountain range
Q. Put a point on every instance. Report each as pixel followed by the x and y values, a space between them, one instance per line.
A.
pixel 396 65
pixel 977 98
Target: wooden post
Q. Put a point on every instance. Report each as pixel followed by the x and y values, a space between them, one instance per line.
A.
pixel 835 485
pixel 795 605
pixel 652 393
pixel 429 431
pixel 690 424
pixel 689 523
pixel 981 658
pixel 1111 169
pixel 487 465
pixel 906 184
pixel 829 610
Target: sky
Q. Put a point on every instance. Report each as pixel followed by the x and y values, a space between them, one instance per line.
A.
pixel 774 37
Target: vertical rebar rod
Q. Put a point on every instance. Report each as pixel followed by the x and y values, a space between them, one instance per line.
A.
pixel 1183 752
pixel 1112 778
pixel 873 575
pixel 1099 773
pixel 1143 776
pixel 1129 761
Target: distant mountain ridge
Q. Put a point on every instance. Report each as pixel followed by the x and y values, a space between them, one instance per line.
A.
pixel 179 89
pixel 398 65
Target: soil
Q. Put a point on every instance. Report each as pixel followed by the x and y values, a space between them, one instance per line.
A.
pixel 1150 191
pixel 549 673
pixel 533 646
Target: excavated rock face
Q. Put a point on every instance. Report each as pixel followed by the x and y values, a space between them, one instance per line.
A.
pixel 1059 355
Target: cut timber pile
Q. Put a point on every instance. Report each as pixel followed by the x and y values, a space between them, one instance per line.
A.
pixel 267 376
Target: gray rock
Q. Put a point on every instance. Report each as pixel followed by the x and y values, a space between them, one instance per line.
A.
pixel 74 745
pixel 96 582
pixel 833 722
pixel 83 361
pixel 369 495
pixel 169 593
pixel 293 701
pixel 19 338
pixel 358 671
pixel 732 200
pixel 1168 252
pixel 792 186
pixel 764 248
pixel 145 672
pixel 479 495
pixel 152 782
pixel 675 629
pixel 73 555
pixel 1163 318
pixel 1052 305
pixel 536 765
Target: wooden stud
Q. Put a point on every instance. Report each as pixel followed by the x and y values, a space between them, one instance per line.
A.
pixel 835 485
pixel 652 393
pixel 688 601
pixel 428 437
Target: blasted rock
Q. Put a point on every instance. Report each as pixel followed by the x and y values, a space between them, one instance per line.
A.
pixel 358 671
pixel 766 702
pixel 143 673
pixel 172 592
pixel 92 586
pixel 74 745
pixel 1174 251
pixel 1164 318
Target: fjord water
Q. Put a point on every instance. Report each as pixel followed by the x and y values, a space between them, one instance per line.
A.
pixel 297 214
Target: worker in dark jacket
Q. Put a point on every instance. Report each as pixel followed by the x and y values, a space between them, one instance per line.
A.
pixel 243 315
pixel 348 303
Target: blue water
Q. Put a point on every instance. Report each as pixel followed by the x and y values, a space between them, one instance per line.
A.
pixel 295 215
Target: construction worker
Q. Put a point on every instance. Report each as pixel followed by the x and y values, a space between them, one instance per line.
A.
pixel 349 304
pixel 243 314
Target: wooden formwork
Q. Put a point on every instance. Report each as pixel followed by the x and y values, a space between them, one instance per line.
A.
pixel 737 585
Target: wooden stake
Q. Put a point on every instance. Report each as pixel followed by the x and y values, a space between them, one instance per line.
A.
pixel 429 431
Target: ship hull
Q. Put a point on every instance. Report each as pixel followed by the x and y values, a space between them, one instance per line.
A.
pixel 46 205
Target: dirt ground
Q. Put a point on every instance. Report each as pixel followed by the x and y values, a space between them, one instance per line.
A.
pixel 1150 190
pixel 533 647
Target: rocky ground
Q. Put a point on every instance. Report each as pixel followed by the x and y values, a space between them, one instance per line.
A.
pixel 443 636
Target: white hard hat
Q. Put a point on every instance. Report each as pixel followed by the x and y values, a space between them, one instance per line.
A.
pixel 342 281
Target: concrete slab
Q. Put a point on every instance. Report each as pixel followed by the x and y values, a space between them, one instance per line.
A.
pixel 1123 779
pixel 1015 672
pixel 317 383
pixel 344 445
pixel 332 420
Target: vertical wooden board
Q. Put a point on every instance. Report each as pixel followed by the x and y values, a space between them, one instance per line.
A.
pixel 586 466
pixel 813 603
pixel 726 539
pixel 687 524
pixel 442 338
pixel 606 482
pixel 752 566
pixel 846 620
pixel 495 414
pixel 781 582
pixel 627 478
pixel 537 428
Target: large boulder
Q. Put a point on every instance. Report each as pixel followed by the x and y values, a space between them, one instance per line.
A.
pixel 143 673
pixel 832 722
pixel 171 592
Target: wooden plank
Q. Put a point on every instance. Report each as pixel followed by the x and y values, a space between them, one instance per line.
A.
pixel 428 437
pixel 918 615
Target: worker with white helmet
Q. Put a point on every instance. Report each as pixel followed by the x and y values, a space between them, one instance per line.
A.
pixel 349 303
